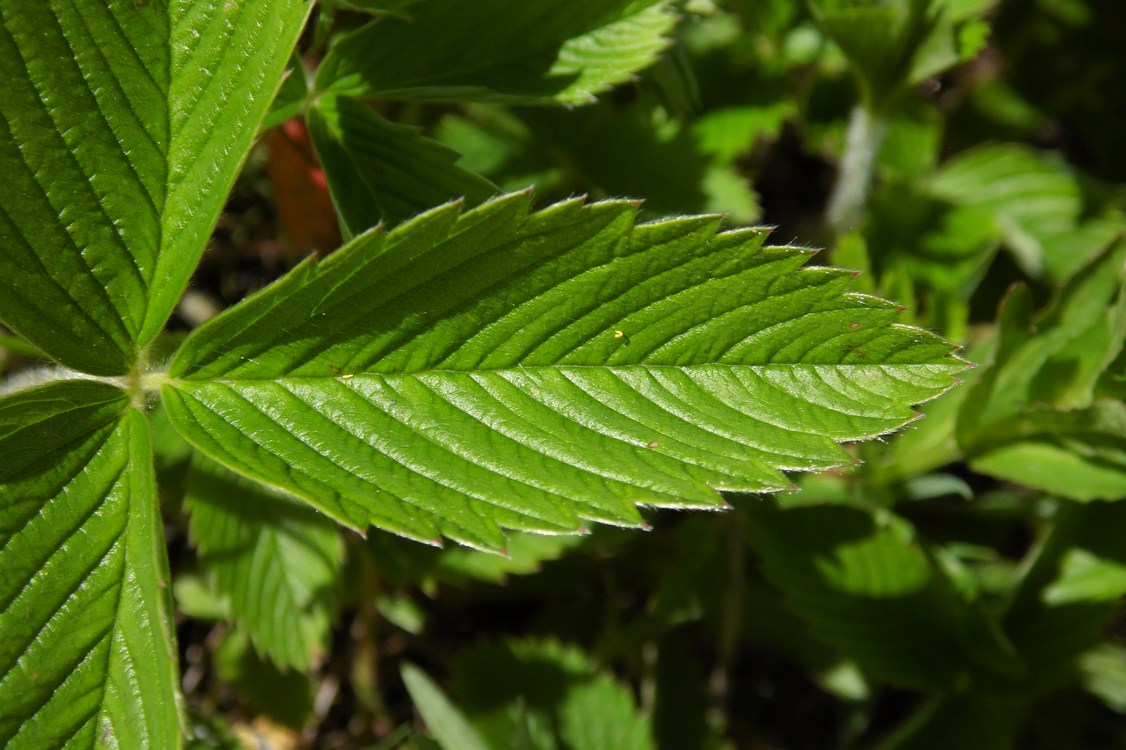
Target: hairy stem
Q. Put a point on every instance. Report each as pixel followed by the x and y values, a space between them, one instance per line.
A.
pixel 865 135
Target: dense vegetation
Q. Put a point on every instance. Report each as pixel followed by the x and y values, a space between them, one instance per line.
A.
pixel 222 521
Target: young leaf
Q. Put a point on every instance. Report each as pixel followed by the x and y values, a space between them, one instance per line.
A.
pixel 275 560
pixel 491 369
pixel 532 51
pixel 380 171
pixel 87 654
pixel 124 124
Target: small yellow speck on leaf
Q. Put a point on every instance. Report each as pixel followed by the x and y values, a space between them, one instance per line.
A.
pixel 618 334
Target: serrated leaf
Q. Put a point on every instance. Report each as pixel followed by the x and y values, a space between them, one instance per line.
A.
pixel 865 586
pixel 469 372
pixel 87 655
pixel 123 125
pixel 274 559
pixel 534 51
pixel 550 695
pixel 380 171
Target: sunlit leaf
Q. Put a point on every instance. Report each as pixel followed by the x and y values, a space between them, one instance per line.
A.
pixel 87 654
pixel 469 372
pixel 122 127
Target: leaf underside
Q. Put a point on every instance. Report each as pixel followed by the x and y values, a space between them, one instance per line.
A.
pixel 500 368
pixel 87 654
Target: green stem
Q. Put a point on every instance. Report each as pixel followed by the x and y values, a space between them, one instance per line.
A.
pixel 849 200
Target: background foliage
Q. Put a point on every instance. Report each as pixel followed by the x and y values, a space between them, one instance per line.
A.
pixel 960 586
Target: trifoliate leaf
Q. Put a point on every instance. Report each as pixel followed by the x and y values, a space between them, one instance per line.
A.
pixel 87 655
pixel 475 371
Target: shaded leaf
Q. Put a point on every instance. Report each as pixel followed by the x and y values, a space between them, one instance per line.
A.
pixel 274 559
pixel 122 132
pixel 380 171
pixel 496 50
pixel 444 720
pixel 87 654
pixel 549 695
pixel 864 585
pixel 469 372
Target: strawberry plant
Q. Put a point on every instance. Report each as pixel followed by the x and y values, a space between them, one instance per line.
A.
pixel 255 513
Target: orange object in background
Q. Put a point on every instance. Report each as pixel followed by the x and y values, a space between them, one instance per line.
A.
pixel 304 210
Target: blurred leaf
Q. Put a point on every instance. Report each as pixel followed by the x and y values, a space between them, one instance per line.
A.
pixel 285 696
pixel 1103 671
pixel 957 36
pixel 865 586
pixel 274 559
pixel 535 51
pixel 554 690
pixel 1070 593
pixel 728 133
pixel 379 171
pixel 1021 419
pixel 291 97
pixel 494 369
pixel 448 725
pixel 1032 198
pixel 1077 454
pixel 526 553
pixel 879 37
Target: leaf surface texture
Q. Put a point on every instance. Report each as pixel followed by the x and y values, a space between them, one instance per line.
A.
pixel 87 655
pixel 501 368
pixel 122 127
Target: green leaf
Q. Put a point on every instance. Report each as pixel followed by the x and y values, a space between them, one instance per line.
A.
pixel 491 369
pixel 551 696
pixel 448 725
pixel 1078 454
pixel 380 171
pixel 864 585
pixel 879 38
pixel 497 50
pixel 286 696
pixel 274 559
pixel 88 654
pixel 1032 198
pixel 123 125
pixel 1070 593
pixel 1032 415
